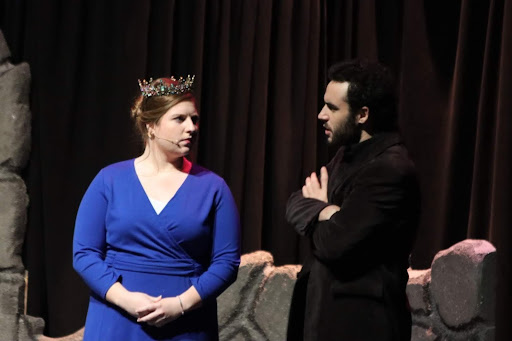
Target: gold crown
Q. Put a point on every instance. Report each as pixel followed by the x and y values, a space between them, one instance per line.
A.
pixel 179 86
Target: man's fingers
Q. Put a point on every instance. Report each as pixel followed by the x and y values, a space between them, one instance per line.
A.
pixel 314 180
pixel 305 192
pixel 324 177
pixel 306 188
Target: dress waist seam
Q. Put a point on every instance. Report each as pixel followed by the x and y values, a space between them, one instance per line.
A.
pixel 178 267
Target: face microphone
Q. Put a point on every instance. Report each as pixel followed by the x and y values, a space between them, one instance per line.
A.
pixel 173 142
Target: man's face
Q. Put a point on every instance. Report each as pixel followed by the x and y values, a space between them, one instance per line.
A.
pixel 340 125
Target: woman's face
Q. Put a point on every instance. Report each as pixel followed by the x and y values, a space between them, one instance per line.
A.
pixel 176 131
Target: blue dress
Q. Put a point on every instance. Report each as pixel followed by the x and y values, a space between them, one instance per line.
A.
pixel 195 240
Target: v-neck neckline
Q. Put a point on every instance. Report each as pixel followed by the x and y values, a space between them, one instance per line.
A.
pixel 148 201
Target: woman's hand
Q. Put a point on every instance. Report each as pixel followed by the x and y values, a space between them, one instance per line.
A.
pixel 170 308
pixel 129 301
pixel 134 301
pixel 161 312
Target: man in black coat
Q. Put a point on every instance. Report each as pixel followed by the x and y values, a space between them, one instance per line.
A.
pixel 360 216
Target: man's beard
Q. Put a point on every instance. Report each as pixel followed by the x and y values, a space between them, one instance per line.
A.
pixel 346 134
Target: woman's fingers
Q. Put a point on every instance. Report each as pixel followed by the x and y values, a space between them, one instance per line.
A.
pixel 143 311
pixel 155 299
pixel 150 317
pixel 162 321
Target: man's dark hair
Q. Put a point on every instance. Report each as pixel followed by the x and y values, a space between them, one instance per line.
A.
pixel 371 85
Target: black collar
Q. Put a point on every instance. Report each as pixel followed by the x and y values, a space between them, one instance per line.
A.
pixel 368 149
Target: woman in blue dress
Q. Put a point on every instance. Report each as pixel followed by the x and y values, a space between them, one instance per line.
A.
pixel 157 238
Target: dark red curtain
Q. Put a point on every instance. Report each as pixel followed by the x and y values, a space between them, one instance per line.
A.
pixel 260 69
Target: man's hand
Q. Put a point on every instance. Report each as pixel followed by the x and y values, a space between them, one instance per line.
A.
pixel 327 212
pixel 316 189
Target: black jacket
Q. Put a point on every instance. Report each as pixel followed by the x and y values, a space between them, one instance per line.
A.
pixel 353 285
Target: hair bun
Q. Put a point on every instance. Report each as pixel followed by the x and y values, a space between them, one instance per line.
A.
pixel 136 110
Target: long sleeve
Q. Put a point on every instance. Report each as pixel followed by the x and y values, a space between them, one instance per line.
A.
pixel 302 213
pixel 225 257
pixel 372 213
pixel 89 241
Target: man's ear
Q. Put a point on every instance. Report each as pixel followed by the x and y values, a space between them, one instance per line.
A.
pixel 362 115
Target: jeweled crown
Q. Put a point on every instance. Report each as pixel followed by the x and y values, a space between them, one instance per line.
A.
pixel 178 86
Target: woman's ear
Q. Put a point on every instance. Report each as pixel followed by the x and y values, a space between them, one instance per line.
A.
pixel 150 131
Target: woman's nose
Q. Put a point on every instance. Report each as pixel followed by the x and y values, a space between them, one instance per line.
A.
pixel 191 126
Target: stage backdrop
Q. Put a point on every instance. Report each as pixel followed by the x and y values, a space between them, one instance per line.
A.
pixel 260 69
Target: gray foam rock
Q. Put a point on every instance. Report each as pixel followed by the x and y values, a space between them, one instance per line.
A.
pixel 423 334
pixel 463 282
pixel 13 218
pixel 417 291
pixel 12 288
pixel 15 117
pixel 30 328
pixel 235 305
pixel 273 305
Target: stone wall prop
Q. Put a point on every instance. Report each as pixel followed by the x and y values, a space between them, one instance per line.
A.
pixel 14 151
pixel 13 218
pixel 462 276
pixel 417 291
pixel 15 117
pixel 12 286
pixel 460 293
pixel 256 306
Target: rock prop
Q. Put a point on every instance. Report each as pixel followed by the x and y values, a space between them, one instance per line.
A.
pixel 455 299
pixel 256 306
pixel 14 152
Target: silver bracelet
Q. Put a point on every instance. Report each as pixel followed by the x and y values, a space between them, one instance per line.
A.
pixel 181 305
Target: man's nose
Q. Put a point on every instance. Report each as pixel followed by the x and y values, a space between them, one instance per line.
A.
pixel 322 115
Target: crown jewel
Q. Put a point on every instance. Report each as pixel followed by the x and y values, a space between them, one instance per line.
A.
pixel 182 85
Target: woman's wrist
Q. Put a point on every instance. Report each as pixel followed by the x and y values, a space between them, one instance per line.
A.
pixel 115 292
pixel 181 305
pixel 189 299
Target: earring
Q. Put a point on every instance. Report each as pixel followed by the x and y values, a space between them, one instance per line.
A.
pixel 150 135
